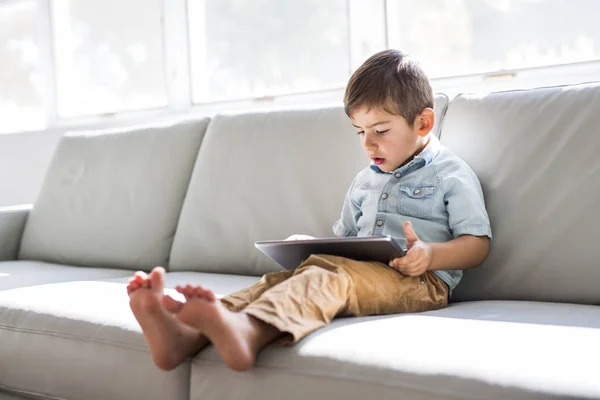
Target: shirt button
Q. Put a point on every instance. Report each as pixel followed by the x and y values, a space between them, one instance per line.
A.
pixel 397 175
pixel 417 191
pixel 379 223
pixel 384 196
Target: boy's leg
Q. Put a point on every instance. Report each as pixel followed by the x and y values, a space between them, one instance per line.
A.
pixel 239 300
pixel 320 289
pixel 326 286
pixel 170 341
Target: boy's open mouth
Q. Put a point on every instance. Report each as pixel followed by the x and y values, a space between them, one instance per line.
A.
pixel 378 161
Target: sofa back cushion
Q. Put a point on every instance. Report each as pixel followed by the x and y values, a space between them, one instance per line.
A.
pixel 440 107
pixel 266 176
pixel 112 198
pixel 536 153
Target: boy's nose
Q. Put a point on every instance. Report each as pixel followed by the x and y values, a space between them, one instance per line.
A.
pixel 370 144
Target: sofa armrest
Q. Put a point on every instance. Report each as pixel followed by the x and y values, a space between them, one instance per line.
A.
pixel 12 224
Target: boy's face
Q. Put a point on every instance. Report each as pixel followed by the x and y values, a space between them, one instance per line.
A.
pixel 388 140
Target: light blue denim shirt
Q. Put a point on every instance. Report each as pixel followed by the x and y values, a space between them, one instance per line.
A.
pixel 436 191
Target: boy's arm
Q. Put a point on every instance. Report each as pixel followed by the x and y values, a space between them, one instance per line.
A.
pixel 468 221
pixel 464 252
pixel 461 253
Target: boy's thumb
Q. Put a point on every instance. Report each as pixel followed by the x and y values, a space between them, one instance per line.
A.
pixel 409 233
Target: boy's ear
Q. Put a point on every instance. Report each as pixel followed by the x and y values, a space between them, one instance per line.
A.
pixel 425 121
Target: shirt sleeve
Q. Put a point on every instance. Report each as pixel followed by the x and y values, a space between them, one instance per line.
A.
pixel 347 224
pixel 465 204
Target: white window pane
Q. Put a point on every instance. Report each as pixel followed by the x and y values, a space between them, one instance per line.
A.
pixel 246 49
pixel 455 37
pixel 20 79
pixel 109 55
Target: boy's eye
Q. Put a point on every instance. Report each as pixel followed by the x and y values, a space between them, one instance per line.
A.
pixel 360 132
pixel 381 132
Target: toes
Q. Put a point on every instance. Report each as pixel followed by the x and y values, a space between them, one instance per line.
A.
pixel 193 292
pixel 171 304
pixel 139 276
pixel 139 279
pixel 188 291
pixel 205 293
pixel 210 295
pixel 132 287
pixel 157 279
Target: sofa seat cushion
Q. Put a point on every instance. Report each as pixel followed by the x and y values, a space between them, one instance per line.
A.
pixel 479 350
pixel 79 340
pixel 16 274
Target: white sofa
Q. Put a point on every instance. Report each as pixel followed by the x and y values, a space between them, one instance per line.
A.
pixel 194 195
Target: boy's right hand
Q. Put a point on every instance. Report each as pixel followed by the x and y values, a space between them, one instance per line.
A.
pixel 299 237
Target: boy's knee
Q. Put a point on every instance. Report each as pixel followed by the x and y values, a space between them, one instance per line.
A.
pixel 326 275
pixel 323 261
pixel 317 269
pixel 273 278
pixel 332 280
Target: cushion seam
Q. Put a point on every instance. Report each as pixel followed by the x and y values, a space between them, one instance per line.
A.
pixel 25 392
pixel 75 337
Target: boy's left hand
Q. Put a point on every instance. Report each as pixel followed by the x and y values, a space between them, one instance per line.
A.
pixel 417 259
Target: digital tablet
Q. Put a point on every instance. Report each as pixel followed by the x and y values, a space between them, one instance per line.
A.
pixel 291 253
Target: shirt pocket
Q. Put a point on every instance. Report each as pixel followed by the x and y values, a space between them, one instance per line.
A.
pixel 416 200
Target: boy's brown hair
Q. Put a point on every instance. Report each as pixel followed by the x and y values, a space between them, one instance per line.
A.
pixel 392 80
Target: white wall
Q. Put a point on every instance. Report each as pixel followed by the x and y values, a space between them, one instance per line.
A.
pixel 24 159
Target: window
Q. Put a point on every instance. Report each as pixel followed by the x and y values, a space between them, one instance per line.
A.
pixel 458 37
pixel 21 105
pixel 108 55
pixel 248 49
pixel 67 63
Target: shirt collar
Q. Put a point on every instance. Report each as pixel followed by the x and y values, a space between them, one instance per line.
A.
pixel 425 157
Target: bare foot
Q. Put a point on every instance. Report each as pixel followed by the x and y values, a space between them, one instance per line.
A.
pixel 189 292
pixel 237 336
pixel 169 340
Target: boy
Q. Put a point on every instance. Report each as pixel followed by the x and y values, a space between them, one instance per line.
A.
pixel 413 185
